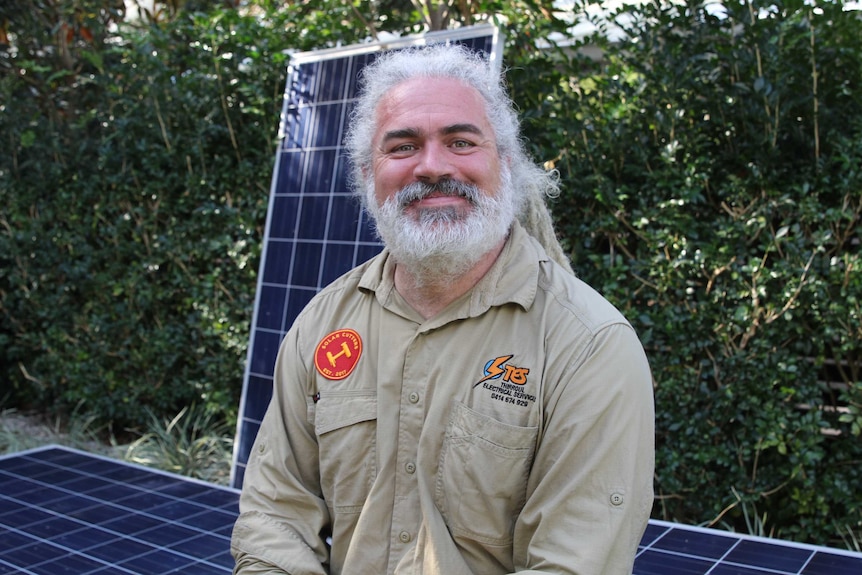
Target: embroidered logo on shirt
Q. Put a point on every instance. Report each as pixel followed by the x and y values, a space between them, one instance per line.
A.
pixel 338 353
pixel 506 381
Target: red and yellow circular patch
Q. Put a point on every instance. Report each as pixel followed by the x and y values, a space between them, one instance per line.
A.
pixel 338 353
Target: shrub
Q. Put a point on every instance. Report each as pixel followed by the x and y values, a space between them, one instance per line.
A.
pixel 134 195
pixel 713 191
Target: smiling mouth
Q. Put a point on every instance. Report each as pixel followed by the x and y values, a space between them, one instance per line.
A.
pixel 419 191
pixel 436 197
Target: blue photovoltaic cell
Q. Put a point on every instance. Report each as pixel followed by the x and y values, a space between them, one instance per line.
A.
pixel 694 543
pixel 757 554
pixel 315 229
pixel 65 511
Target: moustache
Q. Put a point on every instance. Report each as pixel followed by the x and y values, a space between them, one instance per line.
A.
pixel 448 187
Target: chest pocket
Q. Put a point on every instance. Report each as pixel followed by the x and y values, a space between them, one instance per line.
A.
pixel 482 478
pixel 346 428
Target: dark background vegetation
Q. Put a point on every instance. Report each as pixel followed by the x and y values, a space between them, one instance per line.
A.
pixel 712 169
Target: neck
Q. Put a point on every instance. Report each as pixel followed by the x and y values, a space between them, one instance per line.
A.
pixel 429 294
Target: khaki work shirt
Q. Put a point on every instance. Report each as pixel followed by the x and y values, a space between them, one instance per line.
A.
pixel 513 432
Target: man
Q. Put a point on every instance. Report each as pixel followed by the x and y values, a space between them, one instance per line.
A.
pixel 460 404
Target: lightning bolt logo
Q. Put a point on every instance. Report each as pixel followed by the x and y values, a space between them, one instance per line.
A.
pixel 494 369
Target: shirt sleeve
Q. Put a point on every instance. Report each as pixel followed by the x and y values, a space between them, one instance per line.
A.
pixel 590 490
pixel 283 518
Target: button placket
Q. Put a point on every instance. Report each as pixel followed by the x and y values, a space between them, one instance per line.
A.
pixel 406 509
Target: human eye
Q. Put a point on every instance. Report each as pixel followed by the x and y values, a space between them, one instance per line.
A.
pixel 402 148
pixel 461 144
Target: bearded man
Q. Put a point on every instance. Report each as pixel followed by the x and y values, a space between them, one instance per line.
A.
pixel 462 403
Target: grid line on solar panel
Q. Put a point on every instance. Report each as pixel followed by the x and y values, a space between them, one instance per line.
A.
pixel 121 496
pixel 669 548
pixel 80 513
pixel 126 553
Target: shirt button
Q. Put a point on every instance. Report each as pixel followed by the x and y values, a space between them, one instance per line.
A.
pixel 404 537
pixel 413 397
pixel 616 499
pixel 410 467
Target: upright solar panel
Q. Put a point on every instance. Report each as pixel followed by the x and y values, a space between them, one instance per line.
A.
pixel 66 511
pixel 315 229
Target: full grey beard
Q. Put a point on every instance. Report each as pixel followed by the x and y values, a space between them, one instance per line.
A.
pixel 439 244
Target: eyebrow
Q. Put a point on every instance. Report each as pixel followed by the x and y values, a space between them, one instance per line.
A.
pixel 447 130
pixel 457 128
pixel 400 134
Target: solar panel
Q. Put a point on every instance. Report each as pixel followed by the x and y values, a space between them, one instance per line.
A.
pixel 315 229
pixel 66 511
pixel 673 549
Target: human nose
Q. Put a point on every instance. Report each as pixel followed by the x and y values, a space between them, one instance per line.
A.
pixel 432 164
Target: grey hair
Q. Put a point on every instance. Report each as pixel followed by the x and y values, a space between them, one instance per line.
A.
pixel 532 182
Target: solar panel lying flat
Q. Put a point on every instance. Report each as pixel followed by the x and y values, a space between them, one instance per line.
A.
pixel 65 511
pixel 672 549
pixel 315 229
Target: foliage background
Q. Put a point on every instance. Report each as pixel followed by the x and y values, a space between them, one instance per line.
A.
pixel 711 161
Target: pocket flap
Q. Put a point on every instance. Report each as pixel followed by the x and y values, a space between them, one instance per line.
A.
pixel 336 410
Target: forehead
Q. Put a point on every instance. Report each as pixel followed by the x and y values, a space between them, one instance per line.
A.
pixel 424 102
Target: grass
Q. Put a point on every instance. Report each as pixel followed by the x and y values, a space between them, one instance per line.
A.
pixel 193 443
pixel 852 538
pixel 755 523
pixel 20 431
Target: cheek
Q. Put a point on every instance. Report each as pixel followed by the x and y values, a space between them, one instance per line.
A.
pixel 388 178
pixel 491 179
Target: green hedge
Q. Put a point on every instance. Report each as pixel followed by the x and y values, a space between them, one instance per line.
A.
pixel 713 190
pixel 712 169
pixel 134 196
